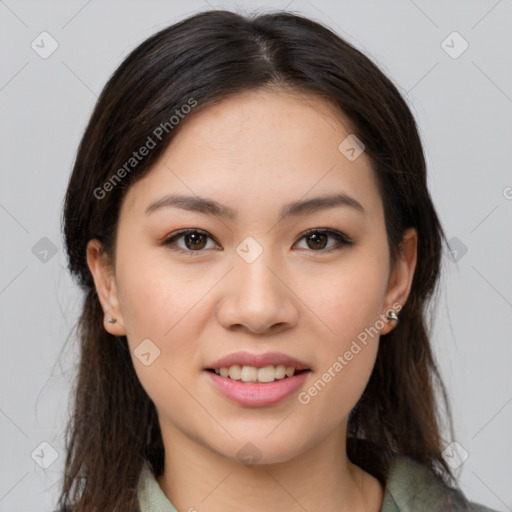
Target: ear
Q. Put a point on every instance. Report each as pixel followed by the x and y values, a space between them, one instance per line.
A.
pixel 401 277
pixel 104 279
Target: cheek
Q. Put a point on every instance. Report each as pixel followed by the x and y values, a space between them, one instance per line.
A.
pixel 156 296
pixel 349 299
pixel 350 308
pixel 160 306
pixel 162 330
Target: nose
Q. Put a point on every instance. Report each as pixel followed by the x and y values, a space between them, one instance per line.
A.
pixel 257 299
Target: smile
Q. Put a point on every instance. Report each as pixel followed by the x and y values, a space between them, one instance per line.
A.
pixel 256 393
pixel 245 373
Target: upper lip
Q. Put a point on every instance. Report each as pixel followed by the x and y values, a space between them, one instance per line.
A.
pixel 258 360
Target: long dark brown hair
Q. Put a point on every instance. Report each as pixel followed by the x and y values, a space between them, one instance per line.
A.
pixel 113 428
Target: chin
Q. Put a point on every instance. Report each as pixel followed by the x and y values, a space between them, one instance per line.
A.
pixel 260 450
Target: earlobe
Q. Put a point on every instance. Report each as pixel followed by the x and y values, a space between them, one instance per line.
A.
pixel 106 289
pixel 401 278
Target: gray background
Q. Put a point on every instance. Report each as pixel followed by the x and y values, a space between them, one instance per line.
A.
pixel 463 106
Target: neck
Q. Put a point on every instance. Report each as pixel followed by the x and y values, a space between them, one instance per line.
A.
pixel 320 478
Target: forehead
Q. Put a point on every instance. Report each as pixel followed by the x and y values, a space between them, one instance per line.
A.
pixel 297 116
pixel 266 145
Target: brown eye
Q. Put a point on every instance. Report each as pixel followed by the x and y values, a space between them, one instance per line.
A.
pixel 317 241
pixel 195 241
pixel 190 240
pixel 324 240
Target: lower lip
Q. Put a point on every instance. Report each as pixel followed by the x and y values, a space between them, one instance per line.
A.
pixel 253 394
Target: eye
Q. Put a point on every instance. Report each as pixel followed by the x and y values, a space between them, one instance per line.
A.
pixel 192 240
pixel 318 240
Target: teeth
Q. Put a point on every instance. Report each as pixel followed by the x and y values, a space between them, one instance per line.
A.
pixel 253 374
pixel 248 374
pixel 290 371
pixel 281 372
pixel 235 372
pixel 266 374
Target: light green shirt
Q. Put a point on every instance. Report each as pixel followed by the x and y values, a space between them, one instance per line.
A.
pixel 409 487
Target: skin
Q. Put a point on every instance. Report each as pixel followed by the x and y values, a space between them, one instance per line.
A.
pixel 255 152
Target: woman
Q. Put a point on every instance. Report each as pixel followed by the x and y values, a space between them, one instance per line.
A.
pixel 249 218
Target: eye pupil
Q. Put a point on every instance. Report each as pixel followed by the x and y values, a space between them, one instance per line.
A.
pixel 198 241
pixel 318 240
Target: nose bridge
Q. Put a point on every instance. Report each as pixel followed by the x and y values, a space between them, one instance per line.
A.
pixel 257 299
pixel 256 280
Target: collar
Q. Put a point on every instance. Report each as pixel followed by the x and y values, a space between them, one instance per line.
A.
pixel 408 485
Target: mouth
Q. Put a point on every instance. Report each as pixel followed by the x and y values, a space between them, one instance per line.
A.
pixel 272 389
pixel 252 374
pixel 257 380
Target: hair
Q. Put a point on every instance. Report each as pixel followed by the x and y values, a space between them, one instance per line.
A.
pixel 207 57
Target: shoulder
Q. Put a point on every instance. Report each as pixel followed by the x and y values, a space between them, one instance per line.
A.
pixel 411 486
pixel 408 485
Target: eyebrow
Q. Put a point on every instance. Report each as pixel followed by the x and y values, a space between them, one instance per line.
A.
pixel 296 208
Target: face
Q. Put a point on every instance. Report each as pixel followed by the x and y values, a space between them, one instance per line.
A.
pixel 196 281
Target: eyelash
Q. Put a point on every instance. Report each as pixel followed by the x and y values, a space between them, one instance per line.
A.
pixel 341 238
